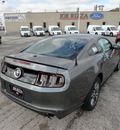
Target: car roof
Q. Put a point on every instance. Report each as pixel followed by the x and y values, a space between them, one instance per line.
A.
pixel 94 25
pixel 24 27
pixel 79 36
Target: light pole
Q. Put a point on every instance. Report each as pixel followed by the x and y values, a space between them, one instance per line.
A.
pixel 3 2
pixel 119 7
pixel 79 19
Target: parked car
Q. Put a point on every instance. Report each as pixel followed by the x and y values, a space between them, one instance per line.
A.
pixel 0 39
pixel 70 29
pixel 117 40
pixel 54 30
pixel 110 30
pixel 24 31
pixel 60 74
pixel 38 31
pixel 95 30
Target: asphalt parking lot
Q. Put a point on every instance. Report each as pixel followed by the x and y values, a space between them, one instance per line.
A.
pixel 106 115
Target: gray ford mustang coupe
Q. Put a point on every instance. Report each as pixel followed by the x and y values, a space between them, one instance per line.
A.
pixel 60 74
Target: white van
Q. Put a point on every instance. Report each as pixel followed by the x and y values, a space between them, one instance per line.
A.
pixel 54 30
pixel 24 31
pixel 110 30
pixel 95 30
pixel 38 31
pixel 69 29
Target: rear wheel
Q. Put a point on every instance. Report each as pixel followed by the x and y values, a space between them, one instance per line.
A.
pixel 92 98
pixel 111 34
pixel 0 40
pixel 117 67
pixel 96 33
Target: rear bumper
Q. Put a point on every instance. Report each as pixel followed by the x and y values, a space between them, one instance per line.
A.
pixel 59 104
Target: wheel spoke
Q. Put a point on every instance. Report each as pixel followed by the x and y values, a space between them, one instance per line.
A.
pixel 95 94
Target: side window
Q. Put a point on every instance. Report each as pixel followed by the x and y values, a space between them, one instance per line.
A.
pixel 93 50
pixel 93 29
pixel 108 29
pixel 105 44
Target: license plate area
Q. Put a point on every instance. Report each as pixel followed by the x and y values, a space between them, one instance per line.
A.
pixel 17 91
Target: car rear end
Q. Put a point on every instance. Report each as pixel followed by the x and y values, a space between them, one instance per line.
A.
pixel 38 87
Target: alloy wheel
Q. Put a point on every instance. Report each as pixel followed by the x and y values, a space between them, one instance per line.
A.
pixel 95 94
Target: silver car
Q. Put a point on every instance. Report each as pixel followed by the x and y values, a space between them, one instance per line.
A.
pixel 60 74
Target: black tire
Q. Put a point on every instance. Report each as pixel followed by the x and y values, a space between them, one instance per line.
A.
pixel 92 97
pixel 111 34
pixel 88 32
pixel 117 67
pixel 0 40
pixel 96 33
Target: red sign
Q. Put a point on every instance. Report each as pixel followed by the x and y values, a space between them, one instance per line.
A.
pixel 73 16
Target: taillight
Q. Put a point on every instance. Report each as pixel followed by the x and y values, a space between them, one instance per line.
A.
pixel 3 67
pixel 49 80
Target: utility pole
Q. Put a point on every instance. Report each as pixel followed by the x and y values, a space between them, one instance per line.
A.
pixel 79 20
pixel 3 2
pixel 119 7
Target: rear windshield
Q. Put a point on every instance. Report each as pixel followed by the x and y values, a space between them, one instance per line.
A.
pixel 24 29
pixel 58 47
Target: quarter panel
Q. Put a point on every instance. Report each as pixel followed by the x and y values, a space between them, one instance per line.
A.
pixel 83 76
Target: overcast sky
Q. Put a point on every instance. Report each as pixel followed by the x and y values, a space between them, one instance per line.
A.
pixel 53 5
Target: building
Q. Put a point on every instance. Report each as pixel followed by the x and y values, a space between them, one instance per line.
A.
pixel 13 21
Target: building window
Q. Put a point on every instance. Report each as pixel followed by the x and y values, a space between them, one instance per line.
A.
pixel 103 23
pixel 31 25
pixel 44 24
pixel 88 23
pixel 58 24
pixel 73 23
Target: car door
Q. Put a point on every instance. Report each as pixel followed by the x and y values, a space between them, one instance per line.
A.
pixel 109 62
pixel 93 31
pixel 108 31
